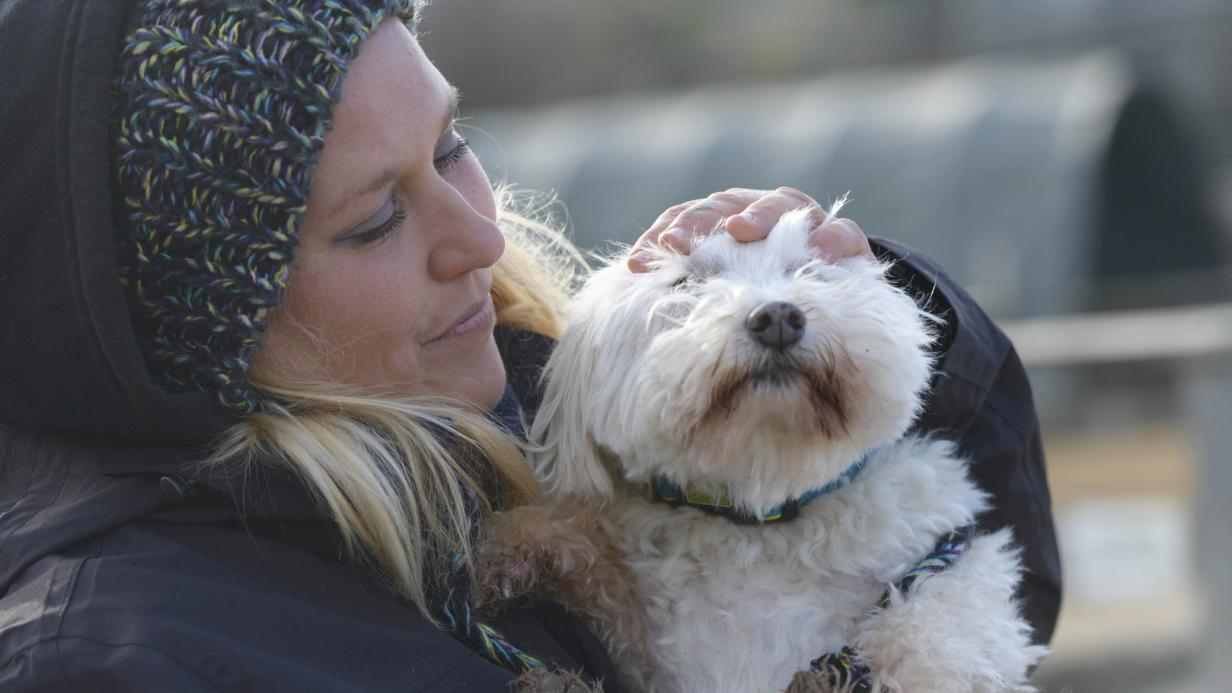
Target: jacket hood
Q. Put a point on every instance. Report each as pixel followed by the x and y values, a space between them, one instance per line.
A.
pixel 69 359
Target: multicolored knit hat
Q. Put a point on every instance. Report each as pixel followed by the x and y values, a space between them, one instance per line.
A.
pixel 220 112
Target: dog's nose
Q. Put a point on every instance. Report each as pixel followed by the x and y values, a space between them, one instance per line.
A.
pixel 777 324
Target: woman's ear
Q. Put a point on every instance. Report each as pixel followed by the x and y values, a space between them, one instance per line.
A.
pixel 563 451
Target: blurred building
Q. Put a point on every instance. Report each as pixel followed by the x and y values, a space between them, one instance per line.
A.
pixel 536 51
pixel 1042 185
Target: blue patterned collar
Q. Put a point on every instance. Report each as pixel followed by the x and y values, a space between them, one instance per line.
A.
pixel 667 491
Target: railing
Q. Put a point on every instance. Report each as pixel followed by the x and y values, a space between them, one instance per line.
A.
pixel 1197 343
pixel 1175 335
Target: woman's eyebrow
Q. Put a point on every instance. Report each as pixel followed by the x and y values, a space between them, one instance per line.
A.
pixel 389 174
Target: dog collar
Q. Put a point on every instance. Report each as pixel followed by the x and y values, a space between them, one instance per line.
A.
pixel 667 491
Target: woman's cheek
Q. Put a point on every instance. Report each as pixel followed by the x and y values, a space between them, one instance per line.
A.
pixel 374 322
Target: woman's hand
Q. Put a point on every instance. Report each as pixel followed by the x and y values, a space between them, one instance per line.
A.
pixel 748 215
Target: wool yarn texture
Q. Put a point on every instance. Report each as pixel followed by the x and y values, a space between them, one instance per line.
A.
pixel 219 115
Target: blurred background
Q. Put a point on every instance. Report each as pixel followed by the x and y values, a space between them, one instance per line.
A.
pixel 1068 161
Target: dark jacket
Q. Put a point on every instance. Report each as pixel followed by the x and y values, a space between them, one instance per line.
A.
pixel 115 574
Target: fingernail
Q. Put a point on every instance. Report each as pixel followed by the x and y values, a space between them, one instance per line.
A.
pixel 748 216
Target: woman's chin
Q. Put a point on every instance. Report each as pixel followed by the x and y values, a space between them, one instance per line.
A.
pixel 481 382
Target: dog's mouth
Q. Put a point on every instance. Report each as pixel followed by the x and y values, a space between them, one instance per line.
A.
pixel 776 377
pixel 822 390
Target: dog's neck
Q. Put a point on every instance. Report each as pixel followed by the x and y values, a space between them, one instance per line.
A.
pixel 667 491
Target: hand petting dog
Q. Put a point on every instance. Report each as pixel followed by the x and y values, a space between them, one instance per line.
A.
pixel 748 215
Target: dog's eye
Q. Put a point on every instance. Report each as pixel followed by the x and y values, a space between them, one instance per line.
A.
pixel 683 281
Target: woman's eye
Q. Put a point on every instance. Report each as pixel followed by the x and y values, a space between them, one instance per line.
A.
pixel 396 217
pixel 458 150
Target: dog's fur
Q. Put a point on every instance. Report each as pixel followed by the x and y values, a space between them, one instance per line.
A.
pixel 656 374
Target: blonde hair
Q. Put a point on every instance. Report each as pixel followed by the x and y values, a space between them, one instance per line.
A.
pixel 393 471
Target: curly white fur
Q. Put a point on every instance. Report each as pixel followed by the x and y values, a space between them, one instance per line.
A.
pixel 658 374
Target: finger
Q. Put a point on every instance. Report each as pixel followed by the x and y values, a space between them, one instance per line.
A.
pixel 840 238
pixel 651 236
pixel 755 222
pixel 641 260
pixel 679 225
pixel 639 255
pixel 703 217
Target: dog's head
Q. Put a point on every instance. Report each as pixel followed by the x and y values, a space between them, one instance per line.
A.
pixel 751 367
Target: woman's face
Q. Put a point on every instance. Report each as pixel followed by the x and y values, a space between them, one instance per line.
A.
pixel 390 280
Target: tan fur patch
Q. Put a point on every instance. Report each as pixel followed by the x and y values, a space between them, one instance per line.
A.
pixel 568 553
pixel 559 681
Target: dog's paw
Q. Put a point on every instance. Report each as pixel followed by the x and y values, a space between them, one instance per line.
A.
pixel 532 549
pixel 559 681
pixel 506 572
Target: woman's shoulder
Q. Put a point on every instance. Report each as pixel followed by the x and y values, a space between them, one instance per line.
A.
pixel 167 605
pixel 108 583
pixel 112 583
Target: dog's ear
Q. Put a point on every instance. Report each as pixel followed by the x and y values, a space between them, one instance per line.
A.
pixel 565 455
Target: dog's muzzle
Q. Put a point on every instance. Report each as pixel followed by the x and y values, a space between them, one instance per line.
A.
pixel 777 325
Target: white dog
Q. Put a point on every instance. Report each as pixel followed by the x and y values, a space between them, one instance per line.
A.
pixel 737 415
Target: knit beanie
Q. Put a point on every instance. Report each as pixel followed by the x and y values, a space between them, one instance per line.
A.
pixel 219 116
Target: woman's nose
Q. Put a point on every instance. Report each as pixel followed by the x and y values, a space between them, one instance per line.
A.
pixel 465 239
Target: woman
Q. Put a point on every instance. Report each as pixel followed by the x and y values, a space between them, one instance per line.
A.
pixel 265 336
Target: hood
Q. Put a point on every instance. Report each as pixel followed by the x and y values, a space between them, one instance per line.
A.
pixel 69 360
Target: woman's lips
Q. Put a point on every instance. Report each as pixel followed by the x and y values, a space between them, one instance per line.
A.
pixel 478 318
